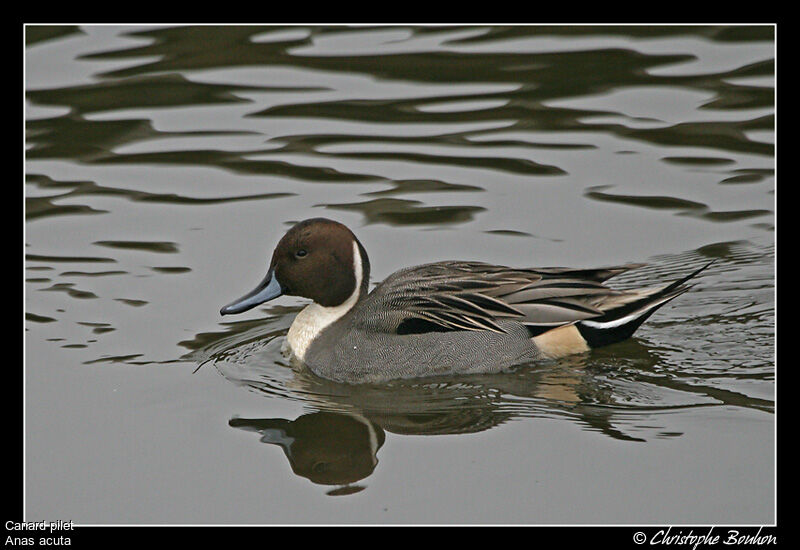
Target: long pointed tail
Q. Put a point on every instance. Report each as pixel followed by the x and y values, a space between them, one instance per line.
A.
pixel 621 322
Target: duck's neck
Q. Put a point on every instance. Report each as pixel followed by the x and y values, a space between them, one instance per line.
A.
pixel 314 318
pixel 361 266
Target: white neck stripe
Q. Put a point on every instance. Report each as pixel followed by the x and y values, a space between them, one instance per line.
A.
pixel 358 270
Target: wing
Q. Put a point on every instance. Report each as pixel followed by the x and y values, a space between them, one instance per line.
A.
pixel 477 296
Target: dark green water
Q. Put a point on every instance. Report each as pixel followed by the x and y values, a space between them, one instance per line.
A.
pixel 164 163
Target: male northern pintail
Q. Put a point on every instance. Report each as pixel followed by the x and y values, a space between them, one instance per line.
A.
pixel 451 317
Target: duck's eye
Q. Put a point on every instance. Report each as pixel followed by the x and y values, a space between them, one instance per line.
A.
pixel 301 253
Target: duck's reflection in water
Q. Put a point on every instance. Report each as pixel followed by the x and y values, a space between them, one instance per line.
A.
pixel 338 444
pixel 325 447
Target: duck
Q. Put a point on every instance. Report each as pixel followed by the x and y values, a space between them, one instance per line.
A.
pixel 442 318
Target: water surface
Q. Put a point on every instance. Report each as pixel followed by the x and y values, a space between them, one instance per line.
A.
pixel 164 163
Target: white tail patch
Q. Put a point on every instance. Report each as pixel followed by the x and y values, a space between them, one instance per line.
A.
pixel 616 322
pixel 314 317
pixel 628 318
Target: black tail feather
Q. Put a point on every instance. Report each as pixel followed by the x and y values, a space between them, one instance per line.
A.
pixel 620 323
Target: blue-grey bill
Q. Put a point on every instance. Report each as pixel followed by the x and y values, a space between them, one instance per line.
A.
pixel 267 290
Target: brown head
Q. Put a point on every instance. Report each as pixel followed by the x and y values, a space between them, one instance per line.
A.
pixel 318 259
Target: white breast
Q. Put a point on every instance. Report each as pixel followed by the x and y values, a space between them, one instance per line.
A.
pixel 314 317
